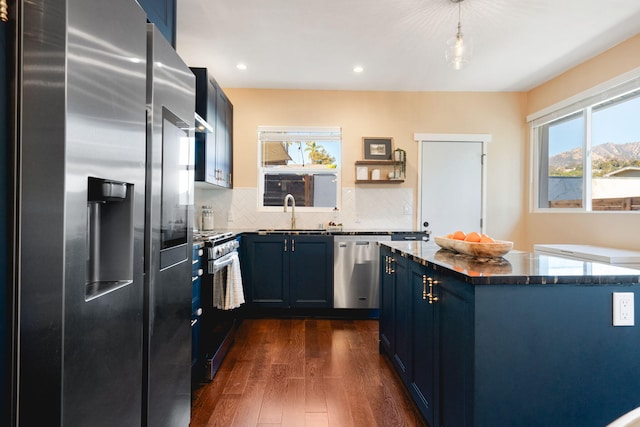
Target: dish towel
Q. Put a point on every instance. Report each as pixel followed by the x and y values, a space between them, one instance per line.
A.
pixel 235 293
pixel 218 290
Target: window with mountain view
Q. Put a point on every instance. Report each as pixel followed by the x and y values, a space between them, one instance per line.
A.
pixel 590 160
pixel 303 162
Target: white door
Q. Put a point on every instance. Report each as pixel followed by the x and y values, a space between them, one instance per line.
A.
pixel 452 186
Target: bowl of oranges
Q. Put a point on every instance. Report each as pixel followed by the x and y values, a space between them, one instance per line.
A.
pixel 474 244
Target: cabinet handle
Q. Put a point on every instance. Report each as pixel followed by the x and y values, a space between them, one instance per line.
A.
pixel 391 261
pixel 293 245
pixel 387 268
pixel 285 245
pixel 430 295
pixel 424 287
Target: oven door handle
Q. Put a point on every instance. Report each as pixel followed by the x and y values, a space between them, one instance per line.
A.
pixel 220 263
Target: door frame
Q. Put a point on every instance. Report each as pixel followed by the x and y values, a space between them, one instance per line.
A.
pixel 425 138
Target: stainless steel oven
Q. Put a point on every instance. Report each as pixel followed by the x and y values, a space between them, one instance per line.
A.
pixel 221 313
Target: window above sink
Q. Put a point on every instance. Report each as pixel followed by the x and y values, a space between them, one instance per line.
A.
pixel 302 161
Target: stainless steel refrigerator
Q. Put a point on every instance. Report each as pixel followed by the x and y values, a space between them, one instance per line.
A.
pixel 168 254
pixel 103 230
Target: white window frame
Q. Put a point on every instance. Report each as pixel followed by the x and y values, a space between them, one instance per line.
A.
pixel 306 169
pixel 584 101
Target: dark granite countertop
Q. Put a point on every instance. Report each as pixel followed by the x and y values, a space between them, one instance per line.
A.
pixel 334 231
pixel 202 236
pixel 514 268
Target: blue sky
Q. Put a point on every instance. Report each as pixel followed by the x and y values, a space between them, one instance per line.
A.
pixel 619 124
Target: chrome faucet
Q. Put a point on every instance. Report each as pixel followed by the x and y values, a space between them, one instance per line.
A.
pixel 293 209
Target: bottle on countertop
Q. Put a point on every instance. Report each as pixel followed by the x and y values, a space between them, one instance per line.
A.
pixel 335 221
pixel 207 218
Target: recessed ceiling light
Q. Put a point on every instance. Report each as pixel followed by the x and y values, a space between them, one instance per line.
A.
pixel 241 66
pixel 358 69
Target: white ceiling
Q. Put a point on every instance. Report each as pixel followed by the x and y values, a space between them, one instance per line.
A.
pixel 304 44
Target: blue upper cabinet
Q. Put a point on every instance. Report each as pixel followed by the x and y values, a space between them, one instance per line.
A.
pixel 162 13
pixel 213 146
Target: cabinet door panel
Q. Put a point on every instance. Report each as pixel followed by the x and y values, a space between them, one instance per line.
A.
pixel 387 302
pixel 210 158
pixel 403 314
pixel 265 266
pixel 311 271
pixel 224 116
pixel 424 373
pixel 456 354
pixel 163 14
pixel 213 150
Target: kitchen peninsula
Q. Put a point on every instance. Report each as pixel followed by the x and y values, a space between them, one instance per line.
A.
pixel 522 340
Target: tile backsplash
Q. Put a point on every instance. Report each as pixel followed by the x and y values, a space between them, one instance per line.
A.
pixel 362 209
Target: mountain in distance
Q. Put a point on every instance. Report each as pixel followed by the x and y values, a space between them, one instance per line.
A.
pixel 607 157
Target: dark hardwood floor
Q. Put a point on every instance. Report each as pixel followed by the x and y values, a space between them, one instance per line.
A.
pixel 304 372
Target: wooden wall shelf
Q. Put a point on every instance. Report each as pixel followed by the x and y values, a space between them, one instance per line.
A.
pixel 385 166
pixel 379 181
pixel 376 162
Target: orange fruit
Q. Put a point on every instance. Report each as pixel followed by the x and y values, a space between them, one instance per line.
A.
pixel 486 239
pixel 472 237
pixel 450 236
pixel 458 235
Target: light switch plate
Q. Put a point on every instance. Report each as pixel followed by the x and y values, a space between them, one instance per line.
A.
pixel 623 310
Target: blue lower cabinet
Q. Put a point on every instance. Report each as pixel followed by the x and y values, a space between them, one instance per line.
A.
pixel 288 271
pixel 402 356
pixel 408 329
pixel 507 355
pixel 453 333
pixel 387 301
pixel 423 382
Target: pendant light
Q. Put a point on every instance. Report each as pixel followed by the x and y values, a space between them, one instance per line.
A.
pixel 459 50
pixel 4 11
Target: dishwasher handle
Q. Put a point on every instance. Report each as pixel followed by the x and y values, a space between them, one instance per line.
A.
pixel 357 243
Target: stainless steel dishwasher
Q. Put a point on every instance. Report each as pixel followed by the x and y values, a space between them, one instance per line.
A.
pixel 356 275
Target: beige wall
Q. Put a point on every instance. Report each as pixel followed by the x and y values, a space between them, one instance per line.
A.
pixel 602 229
pixel 401 114
pixel 398 115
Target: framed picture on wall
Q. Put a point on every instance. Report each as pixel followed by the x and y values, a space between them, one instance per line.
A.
pixel 377 148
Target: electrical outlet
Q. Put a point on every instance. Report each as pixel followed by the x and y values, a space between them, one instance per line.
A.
pixel 623 310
